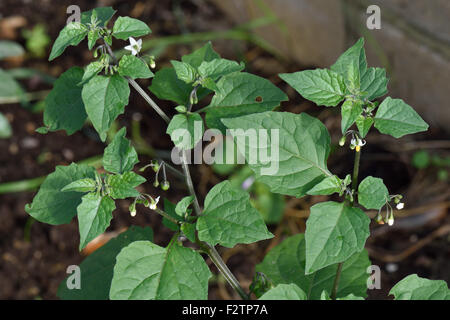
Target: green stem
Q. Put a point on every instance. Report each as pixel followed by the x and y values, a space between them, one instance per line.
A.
pixel 166 215
pixel 242 32
pixel 336 280
pixel 220 264
pixel 354 185
pixel 356 171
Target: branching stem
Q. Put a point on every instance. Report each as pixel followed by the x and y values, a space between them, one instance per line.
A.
pixel 211 251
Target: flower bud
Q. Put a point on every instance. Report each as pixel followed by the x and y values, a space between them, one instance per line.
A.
pixel 342 141
pixel 379 218
pixel 155 165
pixel 132 209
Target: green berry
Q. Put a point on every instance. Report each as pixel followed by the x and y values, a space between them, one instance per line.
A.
pixel 165 185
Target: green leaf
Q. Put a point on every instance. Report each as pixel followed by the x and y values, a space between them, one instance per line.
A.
pixel 321 86
pixel 91 70
pixel 350 111
pixel 8 86
pixel 183 205
pixel 327 186
pixel 97 268
pixel 325 296
pixel 334 232
pixel 169 208
pixel 218 68
pixel 396 118
pixel 372 193
pixel 145 271
pixel 270 205
pixel 64 107
pixel 205 53
pixel 122 186
pixel 167 86
pixel 126 27
pixel 5 127
pixel 42 130
pixel 229 218
pixel 188 230
pixel 284 292
pixel 364 124
pixel 299 152
pixel 354 55
pixel 351 297
pixel 209 83
pixel 186 130
pixel 10 49
pixel 374 82
pixel 185 72
pixel 103 14
pixel 105 99
pixel 241 94
pixel 285 263
pixel 52 206
pixel 134 67
pixel 415 288
pixel 71 35
pixel 82 185
pixel 94 216
pixel 120 156
pixel 93 36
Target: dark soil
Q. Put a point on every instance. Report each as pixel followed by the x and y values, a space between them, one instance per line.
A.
pixel 34 257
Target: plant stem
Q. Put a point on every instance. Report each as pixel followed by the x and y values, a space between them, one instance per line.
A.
pixel 336 280
pixel 166 215
pixel 220 264
pixel 356 171
pixel 354 185
pixel 147 98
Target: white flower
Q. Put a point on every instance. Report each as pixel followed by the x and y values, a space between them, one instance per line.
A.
pixel 400 206
pixel 357 143
pixel 135 46
pixel 133 213
pixel 154 203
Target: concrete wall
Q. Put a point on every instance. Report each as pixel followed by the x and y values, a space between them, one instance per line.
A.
pixel 413 43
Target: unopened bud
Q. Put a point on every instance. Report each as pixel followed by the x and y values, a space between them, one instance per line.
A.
pixel 342 141
pixel 132 209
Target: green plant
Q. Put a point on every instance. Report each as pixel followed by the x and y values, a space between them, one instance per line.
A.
pixel 327 262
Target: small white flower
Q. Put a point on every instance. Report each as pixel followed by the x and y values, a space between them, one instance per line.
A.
pixel 358 142
pixel 133 213
pixel 135 46
pixel 400 206
pixel 154 203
